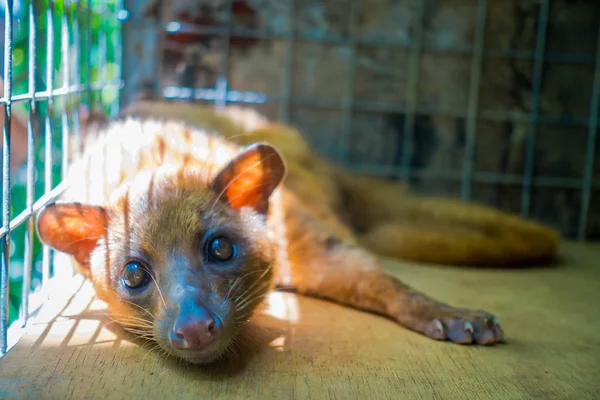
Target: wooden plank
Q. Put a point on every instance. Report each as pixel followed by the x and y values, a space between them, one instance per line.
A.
pixel 306 348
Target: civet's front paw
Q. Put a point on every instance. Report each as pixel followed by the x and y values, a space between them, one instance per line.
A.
pixel 465 327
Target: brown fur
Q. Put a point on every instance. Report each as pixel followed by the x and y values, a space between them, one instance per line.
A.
pixel 387 218
pixel 153 190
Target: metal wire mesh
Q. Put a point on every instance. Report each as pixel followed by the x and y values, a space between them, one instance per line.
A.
pixel 53 111
pixel 82 34
pixel 414 46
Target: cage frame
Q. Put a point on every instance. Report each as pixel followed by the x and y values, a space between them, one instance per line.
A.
pixel 70 91
pixel 151 41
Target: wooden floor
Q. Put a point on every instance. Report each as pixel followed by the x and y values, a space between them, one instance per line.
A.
pixel 310 349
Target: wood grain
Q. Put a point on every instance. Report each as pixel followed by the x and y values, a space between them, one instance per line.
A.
pixel 311 349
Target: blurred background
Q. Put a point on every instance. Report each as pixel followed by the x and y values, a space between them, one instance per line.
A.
pixel 493 101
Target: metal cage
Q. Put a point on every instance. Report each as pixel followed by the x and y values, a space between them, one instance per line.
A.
pixel 84 39
pixel 56 55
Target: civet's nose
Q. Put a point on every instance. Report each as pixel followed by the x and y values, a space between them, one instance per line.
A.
pixel 195 328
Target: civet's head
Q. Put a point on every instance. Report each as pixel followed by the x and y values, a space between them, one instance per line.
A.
pixel 178 260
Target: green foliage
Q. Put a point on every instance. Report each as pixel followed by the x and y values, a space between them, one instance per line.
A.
pixel 93 57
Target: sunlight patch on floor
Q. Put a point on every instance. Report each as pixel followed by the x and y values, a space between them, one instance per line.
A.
pixel 283 306
pixel 278 344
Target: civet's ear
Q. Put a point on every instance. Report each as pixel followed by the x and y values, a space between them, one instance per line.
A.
pixel 251 177
pixel 72 228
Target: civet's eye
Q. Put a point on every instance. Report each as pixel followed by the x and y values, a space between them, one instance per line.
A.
pixel 221 248
pixel 135 275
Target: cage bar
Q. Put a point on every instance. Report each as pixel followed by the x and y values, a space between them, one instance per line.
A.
pixel 285 105
pixel 142 34
pixel 88 53
pixel 22 217
pixel 29 235
pixel 518 54
pixel 411 94
pixel 65 61
pixel 223 81
pixel 478 177
pixel 102 48
pixel 46 252
pixel 473 102
pixel 384 107
pixel 538 70
pixel 76 97
pixel 118 52
pixel 591 147
pixel 64 91
pixel 164 17
pixel 348 100
pixel 6 198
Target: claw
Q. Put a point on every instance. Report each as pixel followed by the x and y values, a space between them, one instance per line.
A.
pixel 439 326
pixel 468 327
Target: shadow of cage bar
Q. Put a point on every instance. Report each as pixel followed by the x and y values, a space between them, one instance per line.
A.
pixel 80 37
